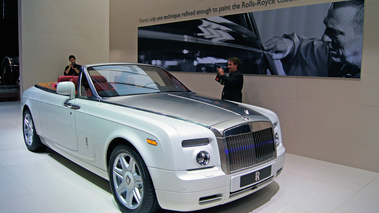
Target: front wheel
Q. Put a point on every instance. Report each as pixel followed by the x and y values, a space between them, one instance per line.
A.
pixel 130 182
pixel 32 140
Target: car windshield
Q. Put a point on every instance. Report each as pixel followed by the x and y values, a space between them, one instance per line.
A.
pixel 119 80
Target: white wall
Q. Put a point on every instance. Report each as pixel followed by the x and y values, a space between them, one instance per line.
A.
pixel 335 120
pixel 51 30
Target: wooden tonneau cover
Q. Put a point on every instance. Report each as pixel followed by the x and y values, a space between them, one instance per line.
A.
pixel 48 86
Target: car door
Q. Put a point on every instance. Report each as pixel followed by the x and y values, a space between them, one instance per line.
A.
pixel 58 121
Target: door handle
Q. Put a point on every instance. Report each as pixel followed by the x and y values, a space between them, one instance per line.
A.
pixel 71 106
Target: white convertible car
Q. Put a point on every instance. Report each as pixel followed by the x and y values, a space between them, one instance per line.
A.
pixel 159 144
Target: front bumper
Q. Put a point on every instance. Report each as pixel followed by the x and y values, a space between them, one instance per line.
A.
pixel 201 189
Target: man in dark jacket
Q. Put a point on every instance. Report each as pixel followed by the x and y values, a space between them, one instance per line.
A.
pixel 73 68
pixel 232 83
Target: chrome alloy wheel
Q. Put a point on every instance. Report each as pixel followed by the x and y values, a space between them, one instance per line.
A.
pixel 28 129
pixel 127 180
pixel 31 138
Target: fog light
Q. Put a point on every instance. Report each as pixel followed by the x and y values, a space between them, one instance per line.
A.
pixel 203 158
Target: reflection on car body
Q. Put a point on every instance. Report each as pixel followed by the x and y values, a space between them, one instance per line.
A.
pixel 159 144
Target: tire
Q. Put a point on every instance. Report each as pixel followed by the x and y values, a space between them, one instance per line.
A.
pixel 130 182
pixel 31 139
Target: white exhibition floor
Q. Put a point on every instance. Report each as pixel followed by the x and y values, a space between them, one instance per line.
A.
pixel 47 182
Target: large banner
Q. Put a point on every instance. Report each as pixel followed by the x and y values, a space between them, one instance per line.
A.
pixel 323 40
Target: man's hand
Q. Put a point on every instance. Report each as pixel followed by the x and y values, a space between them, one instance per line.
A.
pixel 220 71
pixel 279 47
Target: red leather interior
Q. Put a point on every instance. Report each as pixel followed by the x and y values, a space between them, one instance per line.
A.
pixel 74 79
pixel 101 83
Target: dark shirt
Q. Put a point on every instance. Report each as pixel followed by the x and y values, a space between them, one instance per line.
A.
pixel 232 86
pixel 72 71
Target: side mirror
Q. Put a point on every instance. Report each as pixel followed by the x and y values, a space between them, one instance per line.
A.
pixel 66 88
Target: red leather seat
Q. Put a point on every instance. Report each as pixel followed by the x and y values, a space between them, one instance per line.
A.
pixel 65 78
pixel 101 83
pixel 74 79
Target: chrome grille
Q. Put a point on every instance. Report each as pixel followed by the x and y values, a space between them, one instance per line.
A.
pixel 247 149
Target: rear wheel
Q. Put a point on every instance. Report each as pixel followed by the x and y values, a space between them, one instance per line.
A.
pixel 32 140
pixel 130 182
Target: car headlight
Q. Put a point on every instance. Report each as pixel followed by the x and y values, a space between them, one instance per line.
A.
pixel 277 133
pixel 197 153
pixel 203 158
pixel 277 139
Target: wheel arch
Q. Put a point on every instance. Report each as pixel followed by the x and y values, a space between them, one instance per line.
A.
pixel 24 108
pixel 124 142
pixel 138 140
pixel 116 142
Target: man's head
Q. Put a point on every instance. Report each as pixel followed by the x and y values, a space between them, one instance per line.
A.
pixel 344 31
pixel 72 59
pixel 233 64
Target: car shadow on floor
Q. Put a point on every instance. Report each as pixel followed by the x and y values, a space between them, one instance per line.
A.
pixel 244 205
pixel 84 173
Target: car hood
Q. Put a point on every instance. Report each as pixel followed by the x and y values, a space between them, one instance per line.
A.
pixel 189 107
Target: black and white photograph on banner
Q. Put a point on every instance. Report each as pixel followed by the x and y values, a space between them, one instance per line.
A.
pixel 321 40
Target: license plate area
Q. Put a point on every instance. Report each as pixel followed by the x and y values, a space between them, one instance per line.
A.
pixel 255 177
